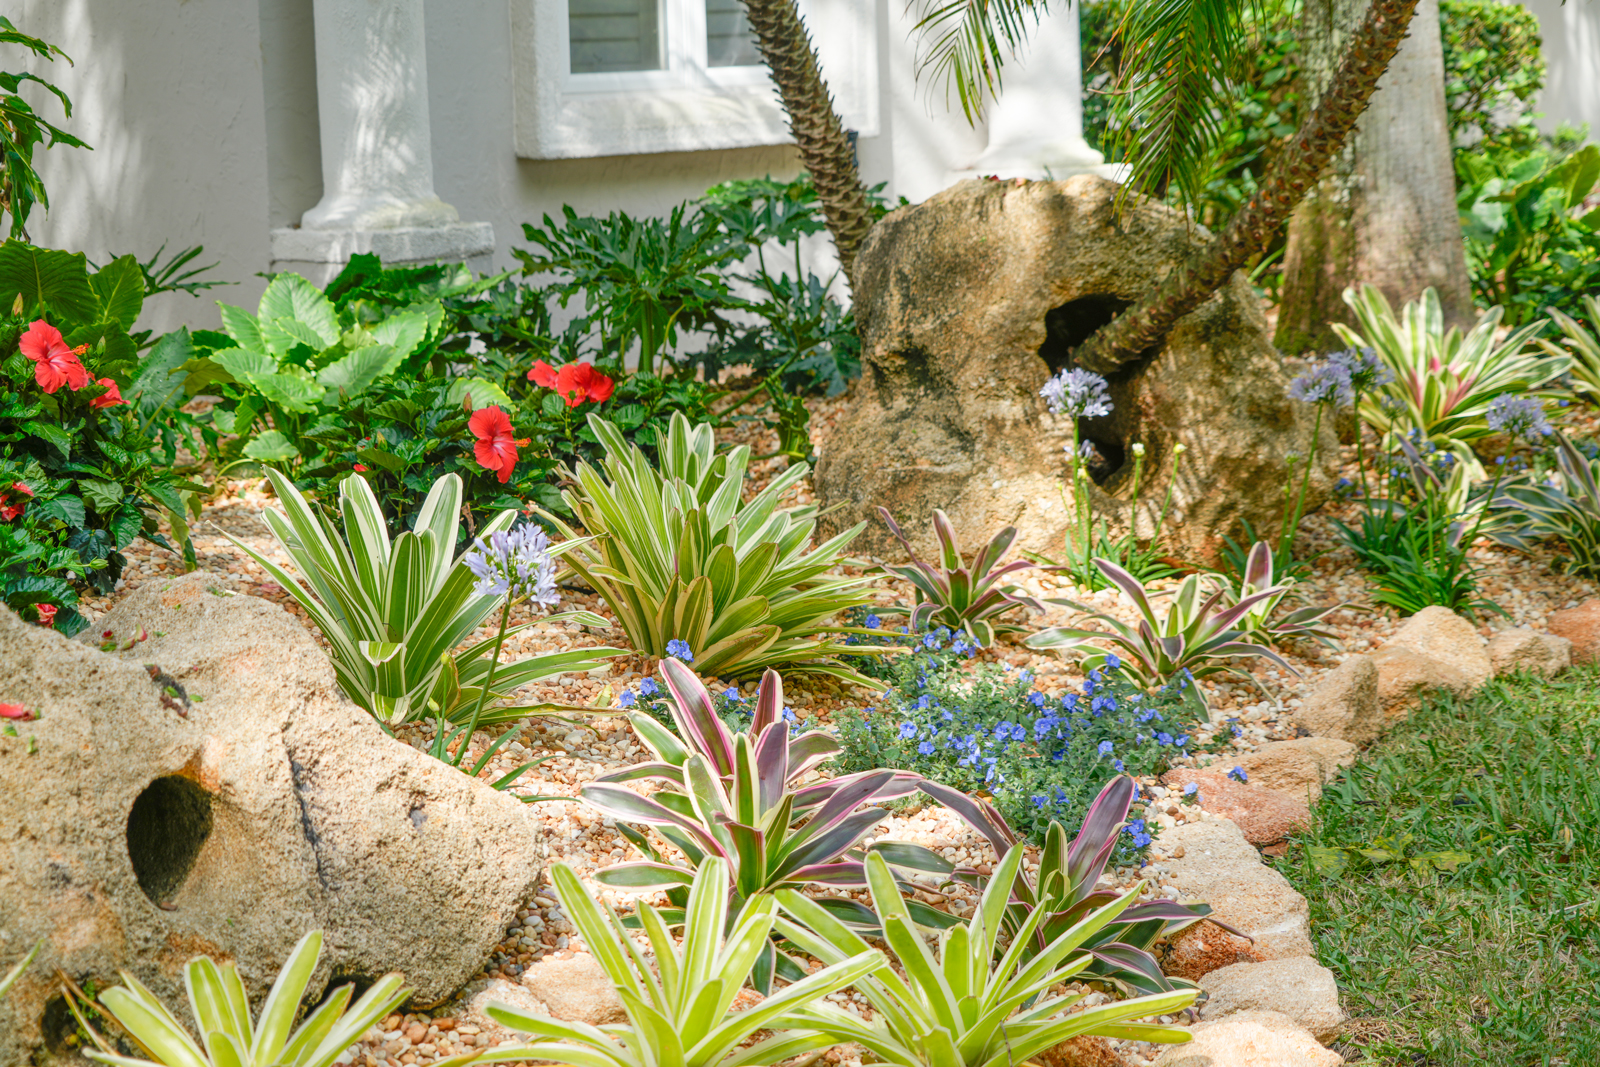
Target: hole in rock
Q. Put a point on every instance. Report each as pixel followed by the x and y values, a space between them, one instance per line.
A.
pixel 167 827
pixel 1068 326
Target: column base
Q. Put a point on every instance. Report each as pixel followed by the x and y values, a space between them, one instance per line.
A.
pixel 319 255
pixel 1035 162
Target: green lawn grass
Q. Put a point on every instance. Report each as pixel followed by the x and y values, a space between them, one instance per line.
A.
pixel 1498 961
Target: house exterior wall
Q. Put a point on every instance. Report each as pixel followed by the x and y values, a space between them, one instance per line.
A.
pixel 1571 42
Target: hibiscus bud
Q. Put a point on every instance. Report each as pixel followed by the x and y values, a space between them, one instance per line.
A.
pixel 17 305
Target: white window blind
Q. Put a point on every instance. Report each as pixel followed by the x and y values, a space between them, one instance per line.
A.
pixel 729 40
pixel 615 35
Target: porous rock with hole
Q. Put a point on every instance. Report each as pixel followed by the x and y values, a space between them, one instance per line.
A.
pixel 969 301
pixel 208 790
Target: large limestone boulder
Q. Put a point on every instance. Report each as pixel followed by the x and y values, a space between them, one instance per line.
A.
pixel 226 807
pixel 971 300
pixel 1513 651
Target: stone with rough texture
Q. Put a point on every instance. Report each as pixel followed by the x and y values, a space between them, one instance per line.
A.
pixel 1405 676
pixel 1250 1039
pixel 1344 705
pixel 1197 950
pixel 1442 635
pixel 143 833
pixel 1581 626
pixel 1300 988
pixel 970 300
pixel 1296 768
pixel 1084 1050
pixel 1266 816
pixel 1529 650
pixel 1220 867
pixel 575 989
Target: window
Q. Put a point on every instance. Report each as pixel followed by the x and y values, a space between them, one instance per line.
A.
pixel 614 35
pixel 619 77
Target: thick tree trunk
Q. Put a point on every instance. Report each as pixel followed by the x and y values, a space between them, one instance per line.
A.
pixel 1386 212
pixel 1293 172
pixel 824 148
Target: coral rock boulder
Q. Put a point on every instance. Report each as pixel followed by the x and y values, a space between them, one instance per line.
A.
pixel 969 301
pixel 207 790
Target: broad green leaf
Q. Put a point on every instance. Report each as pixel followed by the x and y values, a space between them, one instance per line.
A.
pixel 100 494
pixel 273 446
pixel 158 383
pixel 119 290
pixel 281 335
pixel 58 280
pixel 245 364
pixel 293 391
pixel 353 375
pixel 291 296
pixel 484 393
pixel 242 327
pixel 403 332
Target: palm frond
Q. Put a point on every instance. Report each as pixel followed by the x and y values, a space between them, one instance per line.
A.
pixel 965 43
pixel 1177 56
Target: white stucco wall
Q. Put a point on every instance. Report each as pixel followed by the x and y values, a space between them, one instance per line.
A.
pixel 1571 35
pixel 169 94
pixel 203 115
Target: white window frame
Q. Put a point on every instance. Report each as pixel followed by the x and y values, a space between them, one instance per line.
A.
pixel 687 105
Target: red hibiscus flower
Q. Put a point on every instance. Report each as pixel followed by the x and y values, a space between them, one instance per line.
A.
pixel 9 508
pixel 47 615
pixel 576 382
pixel 361 468
pixel 110 398
pixel 543 374
pixel 54 364
pixel 15 711
pixel 496 448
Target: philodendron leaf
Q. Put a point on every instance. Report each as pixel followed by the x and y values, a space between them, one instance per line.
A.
pixel 1328 861
pixel 271 447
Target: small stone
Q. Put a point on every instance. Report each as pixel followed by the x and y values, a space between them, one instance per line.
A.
pixel 1265 815
pixel 1344 704
pixel 1221 868
pixel 1205 947
pixel 576 989
pixel 415 1033
pixel 1581 626
pixel 1300 988
pixel 1296 768
pixel 1250 1039
pixel 1528 650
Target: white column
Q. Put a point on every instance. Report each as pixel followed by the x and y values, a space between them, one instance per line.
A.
pixel 377 157
pixel 1036 125
pixel 372 103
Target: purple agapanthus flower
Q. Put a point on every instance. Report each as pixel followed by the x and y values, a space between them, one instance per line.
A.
pixel 514 563
pixel 1323 383
pixel 1521 417
pixel 1079 393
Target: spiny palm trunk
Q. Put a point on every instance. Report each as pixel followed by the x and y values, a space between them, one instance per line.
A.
pixel 824 148
pixel 1292 174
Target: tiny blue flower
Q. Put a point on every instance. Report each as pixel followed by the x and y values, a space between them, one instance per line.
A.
pixel 1117 764
pixel 1183 739
pixel 908 730
pixel 1039 800
pixel 929 641
pixel 1238 774
pixel 926 748
pixel 1192 790
pixel 873 622
pixel 648 687
pixel 1112 661
pixel 626 700
pixel 680 650
pixel 1163 739
pixel 1141 840
pixel 1036 698
pixel 1105 748
pixel 732 693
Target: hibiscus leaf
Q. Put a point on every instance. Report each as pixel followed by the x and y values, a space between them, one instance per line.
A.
pixel 102 495
pixel 56 435
pixel 126 524
pixel 68 509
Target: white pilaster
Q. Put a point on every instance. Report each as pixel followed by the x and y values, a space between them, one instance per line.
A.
pixel 377 160
pixel 1036 125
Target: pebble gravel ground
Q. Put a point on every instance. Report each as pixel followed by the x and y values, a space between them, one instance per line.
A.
pixel 574 750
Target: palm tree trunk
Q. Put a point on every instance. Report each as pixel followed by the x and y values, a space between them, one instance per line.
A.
pixel 824 148
pixel 1295 170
